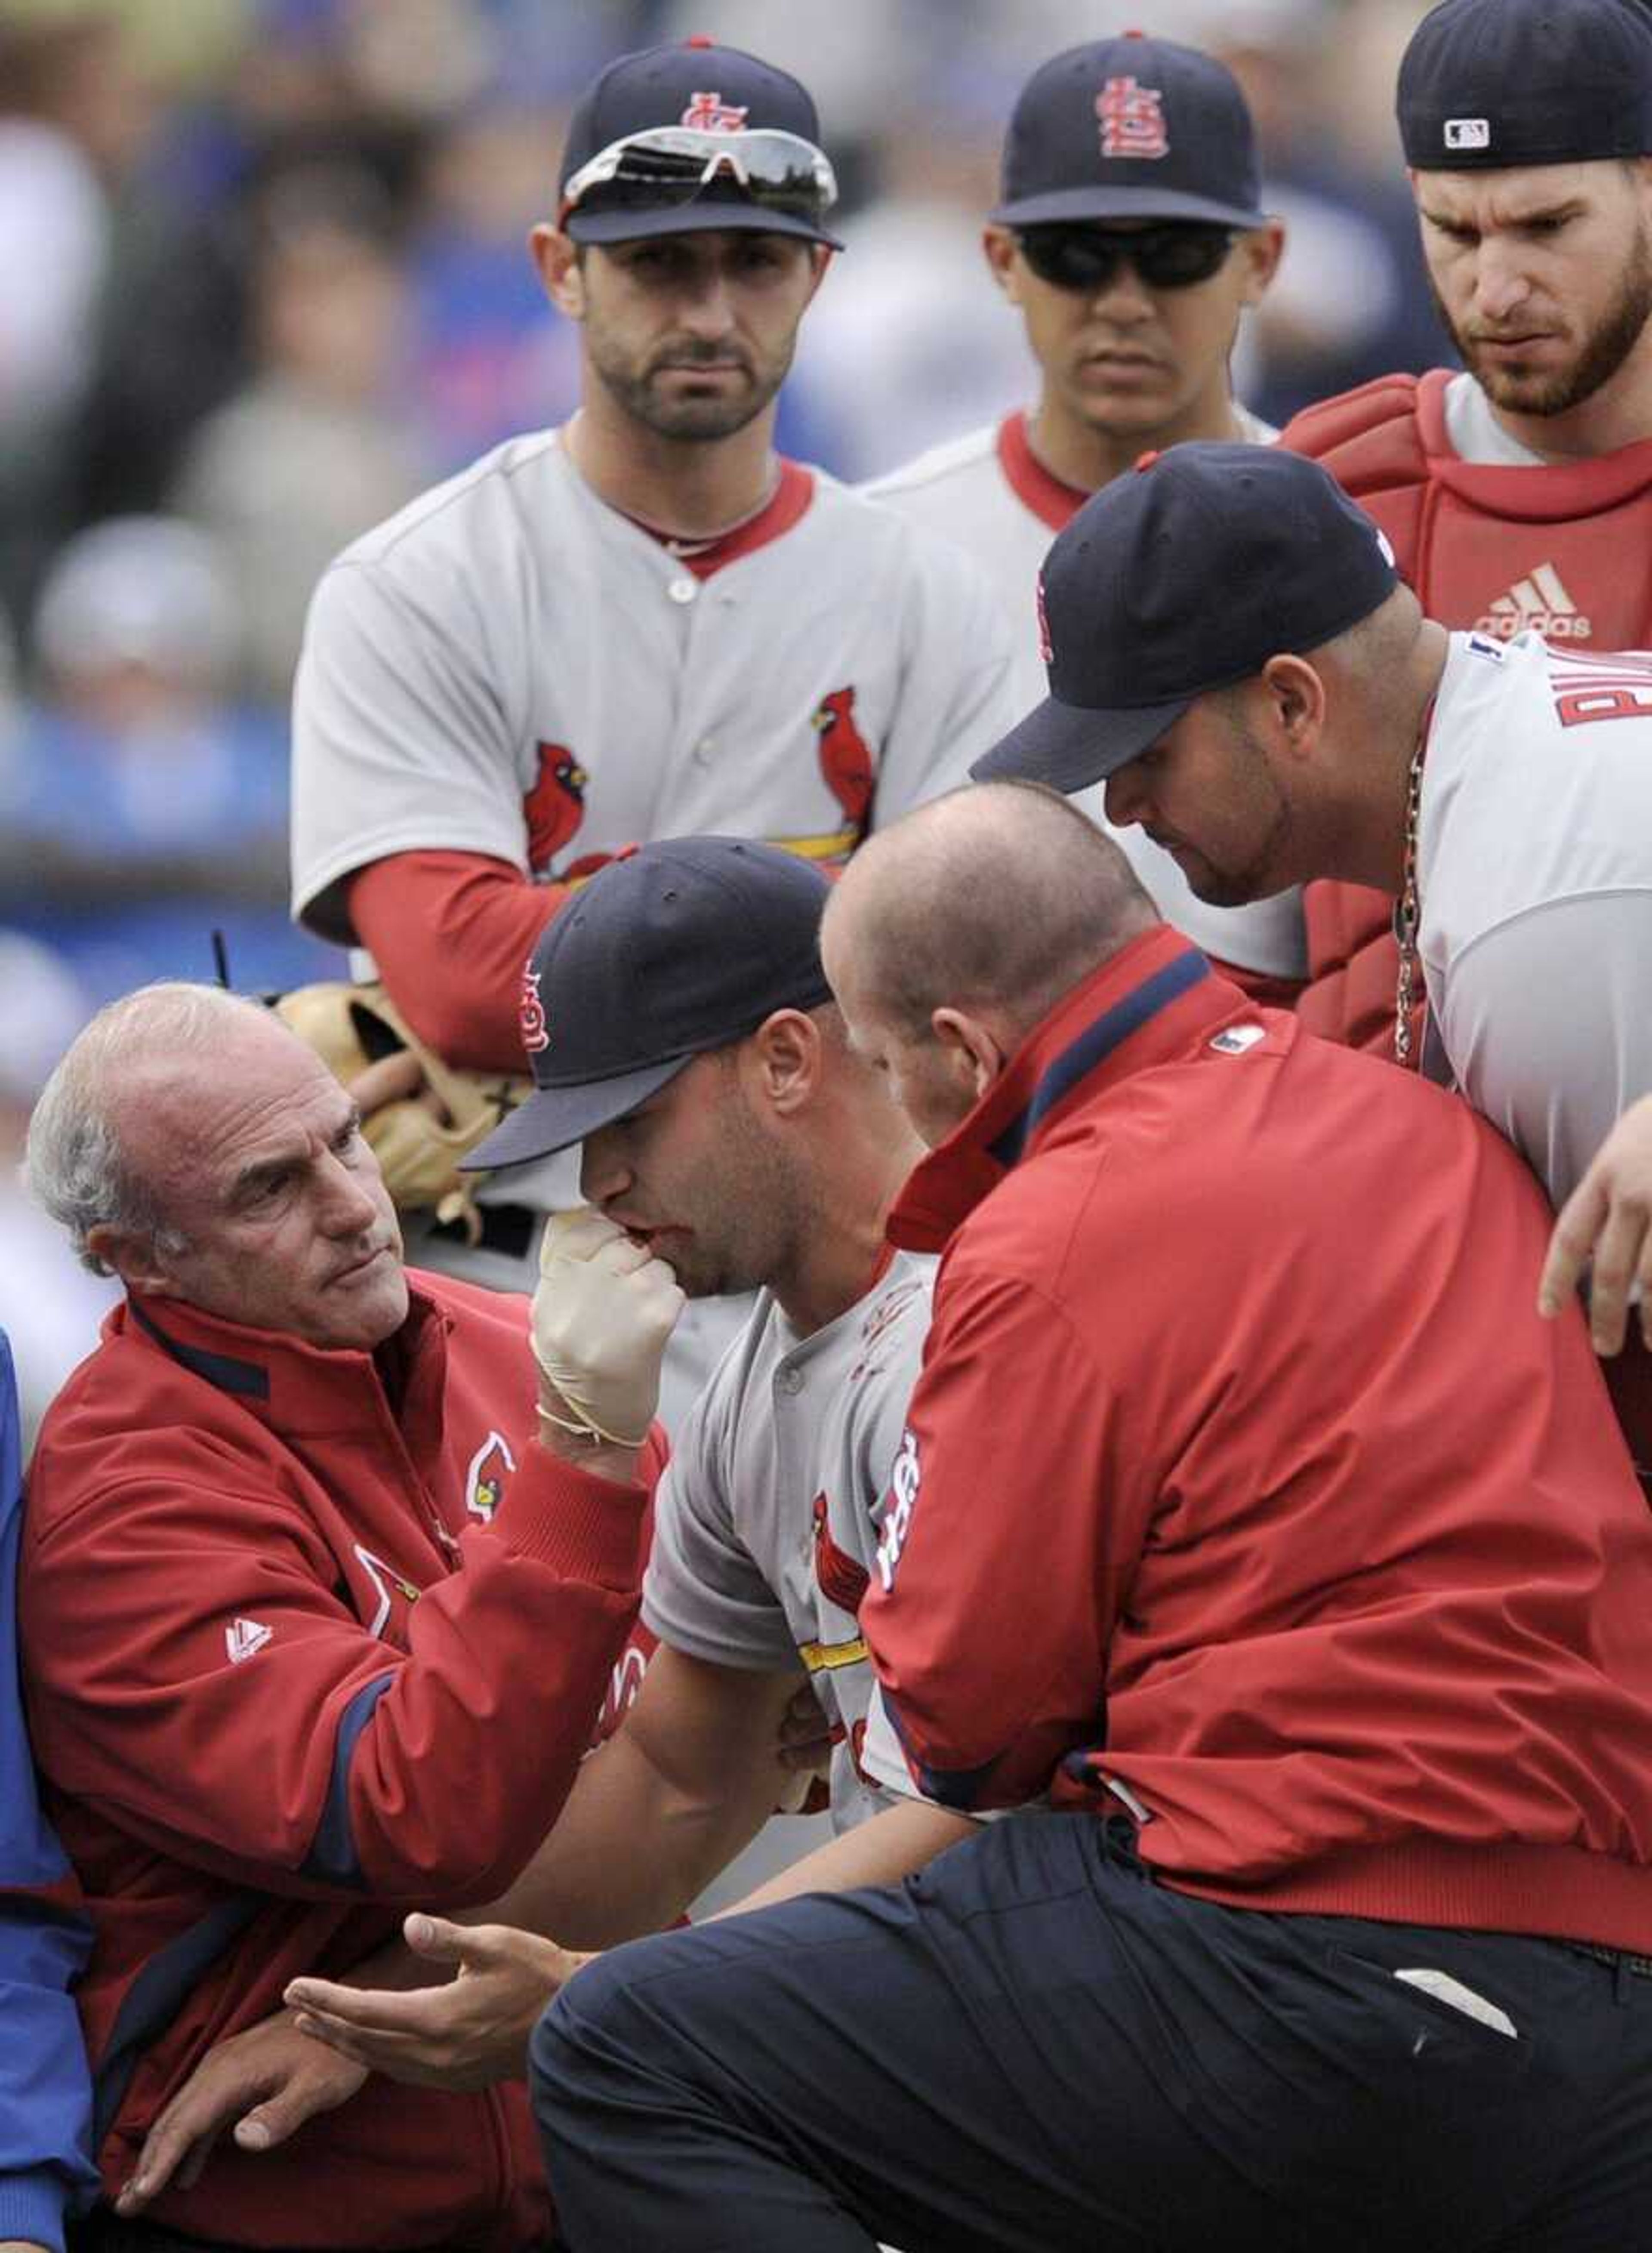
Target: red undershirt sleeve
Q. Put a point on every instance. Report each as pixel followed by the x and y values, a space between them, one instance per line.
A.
pixel 451 933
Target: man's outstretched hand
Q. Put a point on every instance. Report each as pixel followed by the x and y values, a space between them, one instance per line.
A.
pixel 462 2035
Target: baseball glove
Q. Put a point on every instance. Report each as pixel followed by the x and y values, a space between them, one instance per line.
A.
pixel 418 1148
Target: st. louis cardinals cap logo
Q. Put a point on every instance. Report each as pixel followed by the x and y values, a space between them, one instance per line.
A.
pixel 1131 117
pixel 531 1014
pixel 709 113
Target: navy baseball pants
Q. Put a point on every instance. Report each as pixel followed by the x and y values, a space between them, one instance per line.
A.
pixel 1032 2045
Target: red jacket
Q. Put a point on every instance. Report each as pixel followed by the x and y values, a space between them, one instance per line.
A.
pixel 1242 1471
pixel 302 1654
pixel 1482 545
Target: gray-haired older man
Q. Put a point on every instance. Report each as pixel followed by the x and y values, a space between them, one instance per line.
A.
pixel 314 1628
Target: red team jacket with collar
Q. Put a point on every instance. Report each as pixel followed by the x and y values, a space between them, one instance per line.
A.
pixel 304 1655
pixel 1242 1471
pixel 1483 546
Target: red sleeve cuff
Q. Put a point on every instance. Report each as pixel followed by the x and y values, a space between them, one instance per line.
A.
pixel 584 1527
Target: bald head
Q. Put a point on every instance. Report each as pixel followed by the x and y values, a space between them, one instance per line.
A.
pixel 1002 895
pixel 954 932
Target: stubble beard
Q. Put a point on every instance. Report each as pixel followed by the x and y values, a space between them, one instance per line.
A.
pixel 1604 351
pixel 1257 879
pixel 686 420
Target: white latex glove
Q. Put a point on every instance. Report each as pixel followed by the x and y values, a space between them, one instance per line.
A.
pixel 602 1314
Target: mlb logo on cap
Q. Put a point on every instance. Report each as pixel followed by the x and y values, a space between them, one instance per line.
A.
pixel 1485 84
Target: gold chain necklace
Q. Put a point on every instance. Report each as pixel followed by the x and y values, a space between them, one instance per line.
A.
pixel 1408 912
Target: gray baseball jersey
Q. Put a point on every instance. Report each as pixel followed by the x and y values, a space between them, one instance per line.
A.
pixel 766 1520
pixel 990 495
pixel 1535 869
pixel 511 667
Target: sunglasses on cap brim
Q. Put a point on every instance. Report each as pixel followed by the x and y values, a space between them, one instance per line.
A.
pixel 670 165
pixel 1172 255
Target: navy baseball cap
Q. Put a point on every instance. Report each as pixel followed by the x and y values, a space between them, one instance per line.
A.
pixel 1495 82
pixel 1185 575
pixel 669 950
pixel 696 86
pixel 1130 127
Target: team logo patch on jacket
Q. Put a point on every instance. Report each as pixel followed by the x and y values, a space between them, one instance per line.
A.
pixel 490 1466
pixel 387 1584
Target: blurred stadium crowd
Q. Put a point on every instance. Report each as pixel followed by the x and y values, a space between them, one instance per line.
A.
pixel 263 279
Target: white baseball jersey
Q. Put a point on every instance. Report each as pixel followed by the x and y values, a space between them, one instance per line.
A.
pixel 766 1521
pixel 1535 871
pixel 989 494
pixel 511 667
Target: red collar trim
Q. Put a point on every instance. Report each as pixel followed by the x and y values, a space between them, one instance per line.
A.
pixel 1554 494
pixel 785 506
pixel 1048 496
pixel 1159 993
pixel 288 1384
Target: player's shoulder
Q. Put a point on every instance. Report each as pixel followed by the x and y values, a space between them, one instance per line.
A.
pixel 918 565
pixel 448 515
pixel 1366 438
pixel 946 465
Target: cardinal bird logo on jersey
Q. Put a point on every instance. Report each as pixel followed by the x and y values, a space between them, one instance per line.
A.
pixel 847 769
pixel 485 1481
pixel 846 759
pixel 837 1575
pixel 555 805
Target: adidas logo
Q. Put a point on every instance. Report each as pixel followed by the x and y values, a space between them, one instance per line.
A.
pixel 244 1638
pixel 1539 604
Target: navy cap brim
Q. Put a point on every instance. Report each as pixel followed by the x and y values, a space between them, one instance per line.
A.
pixel 1068 746
pixel 700 215
pixel 555 1118
pixel 1065 205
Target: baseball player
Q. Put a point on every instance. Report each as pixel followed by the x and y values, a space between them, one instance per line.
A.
pixel 1326 726
pixel 728 1132
pixel 641 624
pixel 1301 1569
pixel 1514 490
pixel 1130 236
